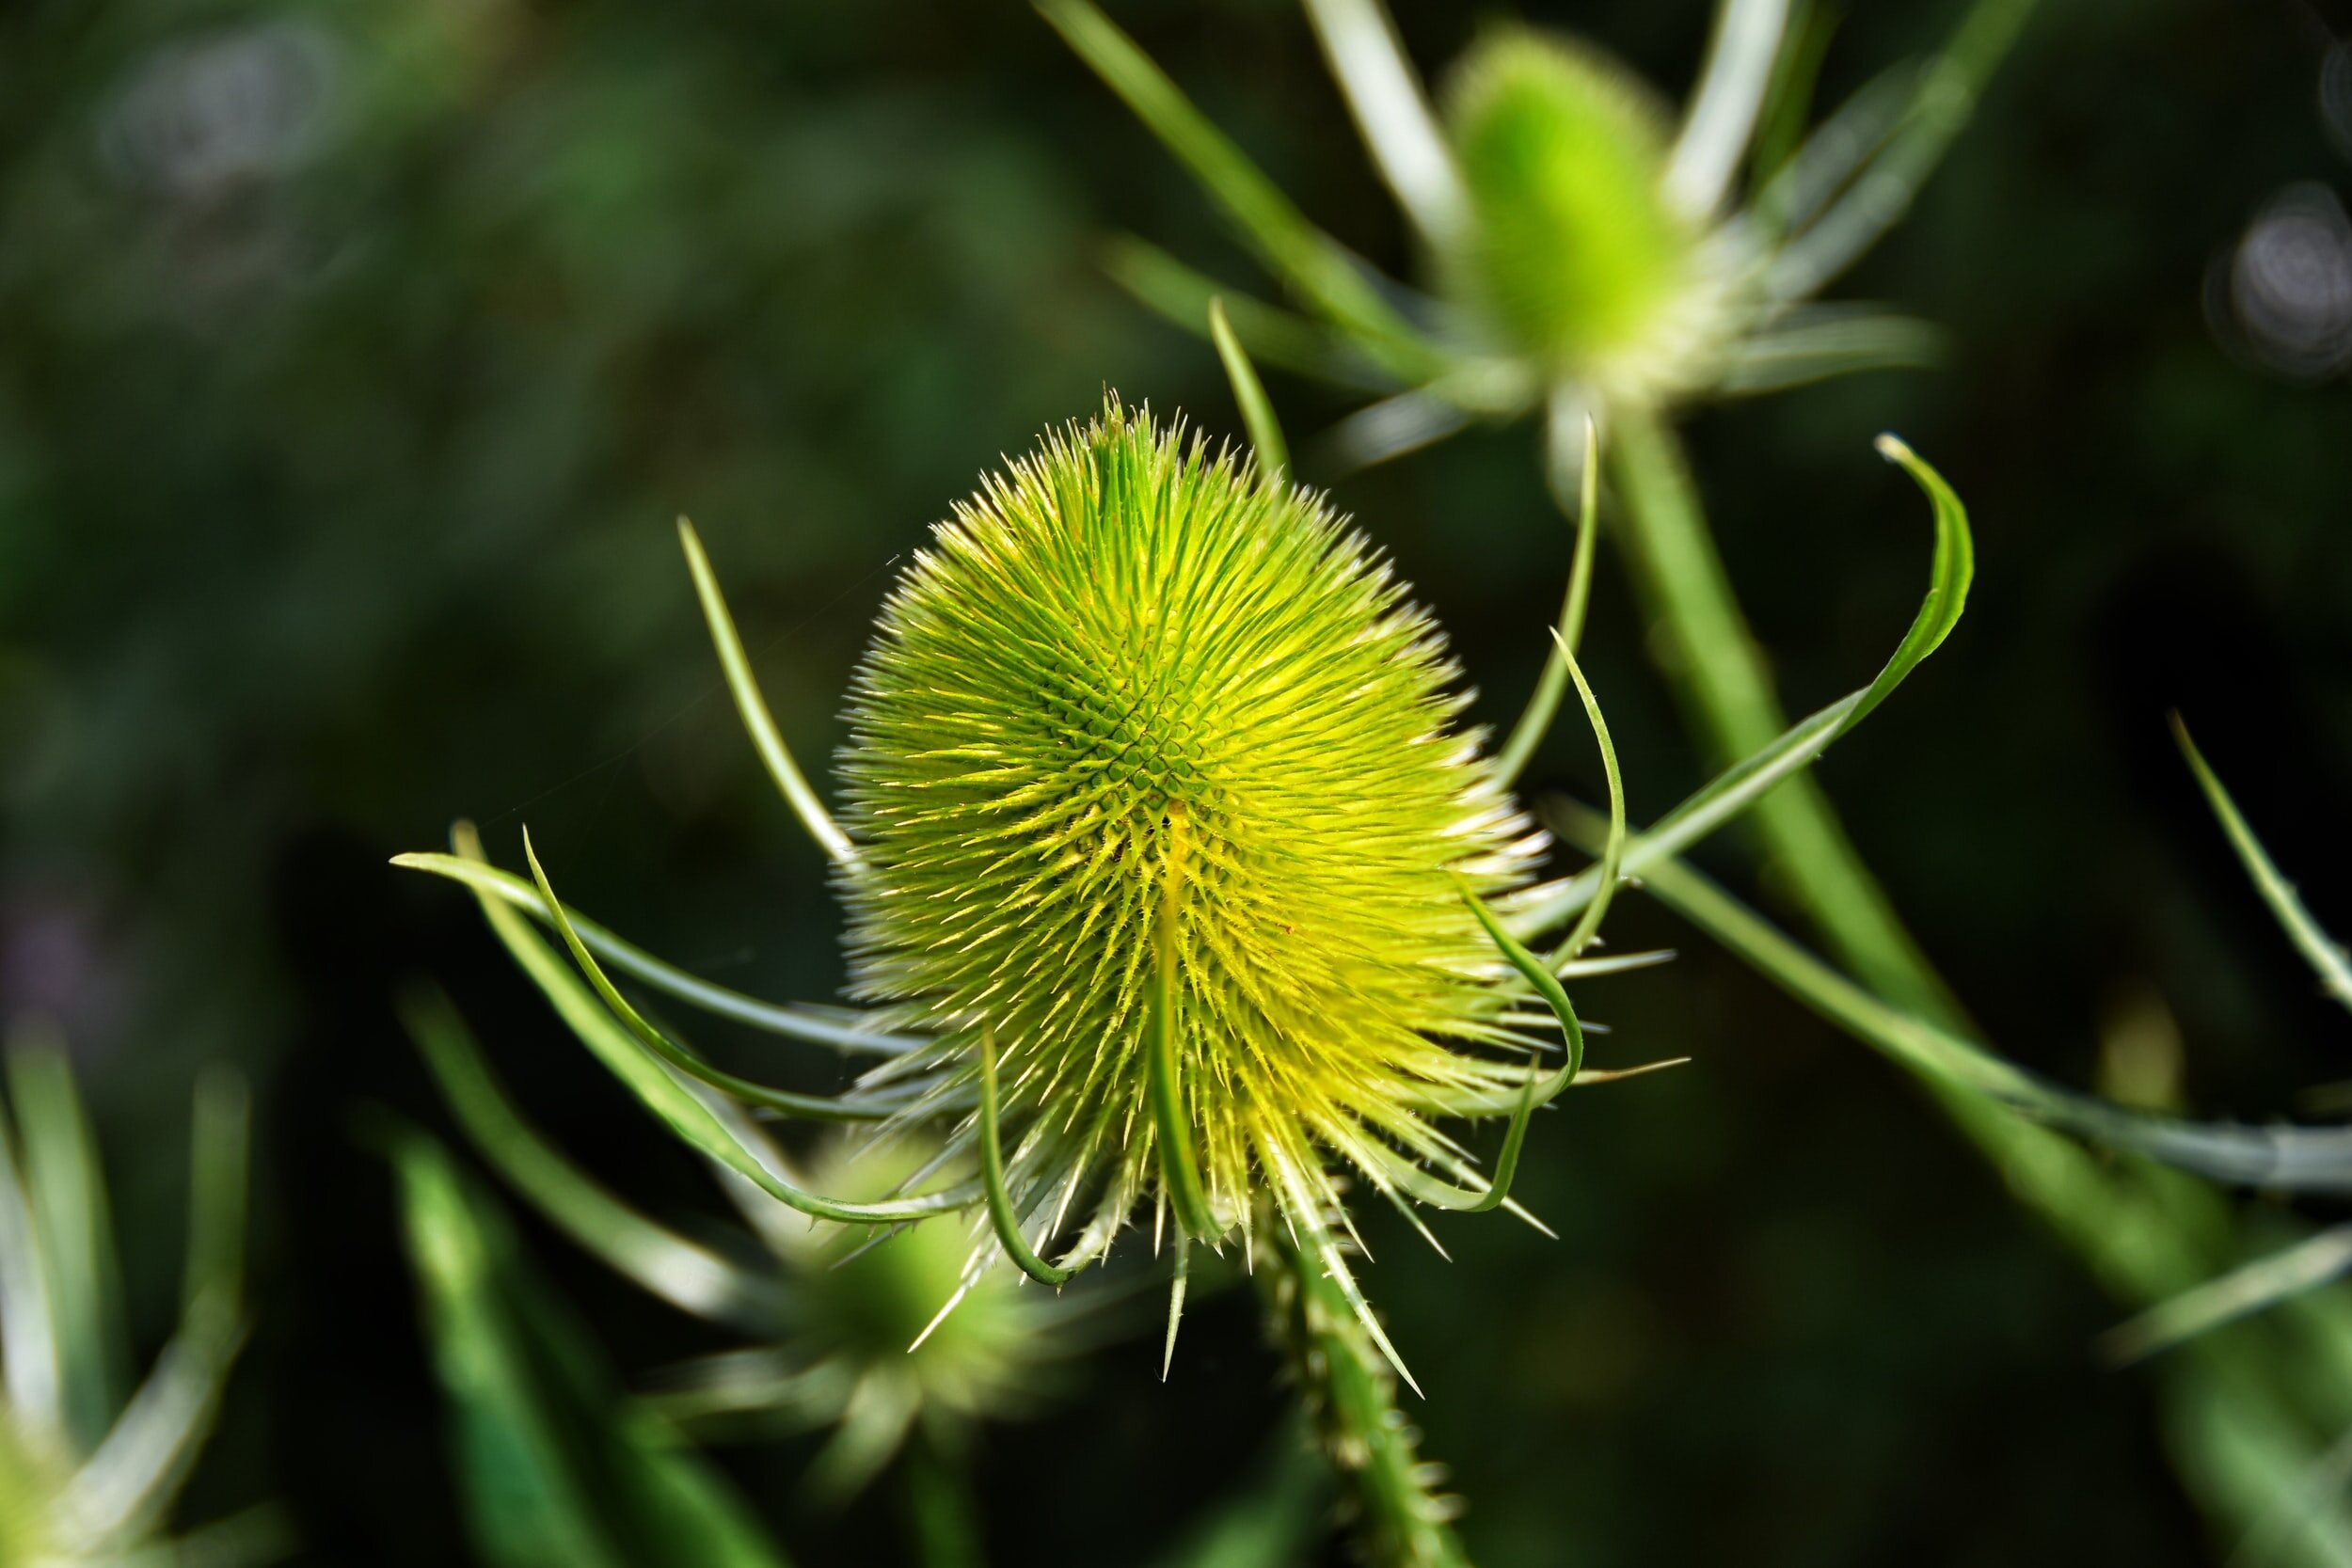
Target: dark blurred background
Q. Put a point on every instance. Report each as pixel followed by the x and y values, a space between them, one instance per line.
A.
pixel 355 360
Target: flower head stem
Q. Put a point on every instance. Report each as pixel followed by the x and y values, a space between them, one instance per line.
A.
pixel 1350 1391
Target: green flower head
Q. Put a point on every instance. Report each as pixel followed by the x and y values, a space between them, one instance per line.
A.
pixel 1140 707
pixel 1574 256
pixel 1167 867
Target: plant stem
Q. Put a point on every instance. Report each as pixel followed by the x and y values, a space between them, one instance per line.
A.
pixel 2240 1415
pixel 1350 1394
pixel 944 1525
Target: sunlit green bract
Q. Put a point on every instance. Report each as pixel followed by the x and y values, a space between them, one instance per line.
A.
pixel 1574 253
pixel 1132 683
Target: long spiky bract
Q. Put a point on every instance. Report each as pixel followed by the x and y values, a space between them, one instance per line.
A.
pixel 1136 706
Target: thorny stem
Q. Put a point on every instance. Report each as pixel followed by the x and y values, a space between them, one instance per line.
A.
pixel 1397 1516
pixel 2146 1234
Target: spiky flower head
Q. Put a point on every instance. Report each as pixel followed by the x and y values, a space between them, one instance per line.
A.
pixel 1146 736
pixel 1574 256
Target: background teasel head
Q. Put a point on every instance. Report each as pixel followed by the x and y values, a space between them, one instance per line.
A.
pixel 1166 864
pixel 835 1317
pixel 1583 252
pixel 90 1466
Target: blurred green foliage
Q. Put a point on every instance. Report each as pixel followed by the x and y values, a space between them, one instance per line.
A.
pixel 355 359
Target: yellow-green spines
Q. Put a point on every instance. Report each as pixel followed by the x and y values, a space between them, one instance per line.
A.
pixel 1572 252
pixel 1130 670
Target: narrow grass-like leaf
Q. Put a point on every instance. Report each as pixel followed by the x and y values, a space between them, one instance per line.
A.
pixel 810 1107
pixel 129 1482
pixel 1293 249
pixel 219 1183
pixel 1001 1213
pixel 1612 849
pixel 1389 429
pixel 2263 1283
pixel 753 707
pixel 1788 104
pixel 559 1465
pixel 1740 787
pixel 1801 187
pixel 2328 958
pixel 685 1273
pixel 1257 409
pixel 1393 112
pixel 1821 341
pixel 775 1018
pixel 29 1340
pixel 1552 685
pixel 1181 294
pixel 1944 100
pixel 2312 1159
pixel 1539 974
pixel 68 1193
pixel 670 1101
pixel 1722 121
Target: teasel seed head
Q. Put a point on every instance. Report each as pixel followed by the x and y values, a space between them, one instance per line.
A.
pixel 1141 723
pixel 1574 257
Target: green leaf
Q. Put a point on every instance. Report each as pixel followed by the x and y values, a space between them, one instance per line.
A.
pixel 1561 461
pixel 1393 113
pixel 557 1465
pixel 2327 957
pixel 810 1107
pixel 1935 111
pixel 685 1273
pixel 1742 785
pixel 1717 131
pixel 645 1077
pixel 1821 341
pixel 74 1227
pixel 129 1482
pixel 2263 1283
pixel 1181 294
pixel 753 707
pixel 775 1018
pixel 1257 410
pixel 2313 1159
pixel 1310 261
pixel 1001 1213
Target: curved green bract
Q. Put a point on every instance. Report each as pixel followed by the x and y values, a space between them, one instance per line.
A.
pixel 758 720
pixel 640 965
pixel 1949 574
pixel 686 1274
pixel 1000 1210
pixel 2325 956
pixel 1303 256
pixel 1537 1091
pixel 1257 409
pixel 812 1107
pixel 1613 852
pixel 1178 1169
pixel 1542 707
pixel 645 1077
pixel 1954 570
